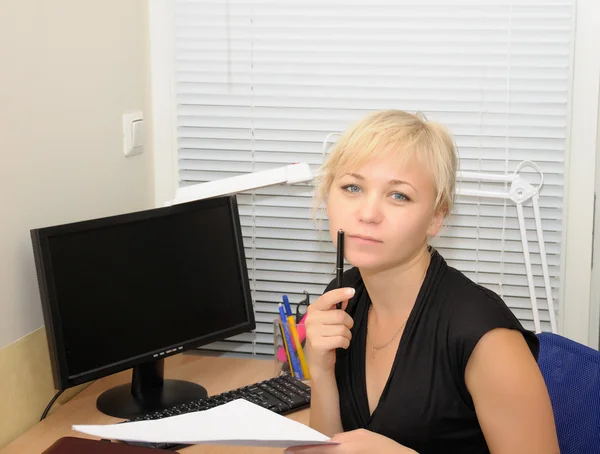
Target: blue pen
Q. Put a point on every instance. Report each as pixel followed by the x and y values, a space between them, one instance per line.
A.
pixel 288 338
pixel 296 338
pixel 288 308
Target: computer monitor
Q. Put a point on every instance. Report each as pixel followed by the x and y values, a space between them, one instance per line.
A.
pixel 128 291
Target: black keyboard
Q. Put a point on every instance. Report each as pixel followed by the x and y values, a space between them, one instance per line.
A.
pixel 283 394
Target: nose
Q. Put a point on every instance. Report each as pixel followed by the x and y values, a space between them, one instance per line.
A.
pixel 369 210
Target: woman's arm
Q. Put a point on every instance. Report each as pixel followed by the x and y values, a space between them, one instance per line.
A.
pixel 325 405
pixel 327 329
pixel 510 395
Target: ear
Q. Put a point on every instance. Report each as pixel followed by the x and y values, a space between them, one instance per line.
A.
pixel 436 222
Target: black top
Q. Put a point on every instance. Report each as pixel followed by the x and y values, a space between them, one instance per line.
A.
pixel 425 404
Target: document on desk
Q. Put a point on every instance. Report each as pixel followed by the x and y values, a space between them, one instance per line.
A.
pixel 239 423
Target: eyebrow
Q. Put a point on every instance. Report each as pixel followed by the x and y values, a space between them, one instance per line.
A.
pixel 391 182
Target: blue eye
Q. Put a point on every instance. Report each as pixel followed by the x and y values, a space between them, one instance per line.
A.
pixel 351 188
pixel 399 197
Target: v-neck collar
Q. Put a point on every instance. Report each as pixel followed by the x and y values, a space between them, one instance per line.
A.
pixel 363 401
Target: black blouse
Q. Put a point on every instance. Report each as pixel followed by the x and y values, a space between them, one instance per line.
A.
pixel 425 404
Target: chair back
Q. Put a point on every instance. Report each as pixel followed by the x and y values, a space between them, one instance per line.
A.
pixel 572 374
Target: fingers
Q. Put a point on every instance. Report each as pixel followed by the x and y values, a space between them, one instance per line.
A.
pixel 329 337
pixel 326 344
pixel 311 449
pixel 327 329
pixel 328 317
pixel 344 305
pixel 336 331
pixel 332 297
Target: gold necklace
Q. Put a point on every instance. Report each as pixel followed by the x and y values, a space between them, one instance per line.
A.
pixel 375 349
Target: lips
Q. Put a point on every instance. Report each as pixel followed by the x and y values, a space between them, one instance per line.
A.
pixel 365 238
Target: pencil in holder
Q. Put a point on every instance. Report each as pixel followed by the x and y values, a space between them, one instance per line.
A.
pixel 286 362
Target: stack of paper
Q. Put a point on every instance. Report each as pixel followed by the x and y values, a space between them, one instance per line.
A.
pixel 238 422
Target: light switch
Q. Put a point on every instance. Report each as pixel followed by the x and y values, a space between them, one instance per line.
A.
pixel 138 133
pixel 133 133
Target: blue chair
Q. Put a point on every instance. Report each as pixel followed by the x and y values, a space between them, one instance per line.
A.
pixel 572 374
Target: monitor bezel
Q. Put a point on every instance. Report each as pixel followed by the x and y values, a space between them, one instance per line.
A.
pixel 50 305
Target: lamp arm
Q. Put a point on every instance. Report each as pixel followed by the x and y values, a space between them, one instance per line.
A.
pixel 294 173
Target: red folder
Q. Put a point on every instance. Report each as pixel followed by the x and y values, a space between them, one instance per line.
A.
pixel 74 445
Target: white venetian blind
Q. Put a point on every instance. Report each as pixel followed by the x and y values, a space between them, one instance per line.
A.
pixel 260 84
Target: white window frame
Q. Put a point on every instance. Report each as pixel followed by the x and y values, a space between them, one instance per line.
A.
pixel 580 312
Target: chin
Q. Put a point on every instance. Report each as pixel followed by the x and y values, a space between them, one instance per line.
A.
pixel 364 260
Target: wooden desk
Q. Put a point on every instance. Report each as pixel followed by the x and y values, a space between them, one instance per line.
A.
pixel 214 373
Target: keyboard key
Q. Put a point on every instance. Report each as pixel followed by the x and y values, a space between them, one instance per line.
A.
pixel 296 382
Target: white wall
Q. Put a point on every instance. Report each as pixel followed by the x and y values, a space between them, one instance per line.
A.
pixel 69 70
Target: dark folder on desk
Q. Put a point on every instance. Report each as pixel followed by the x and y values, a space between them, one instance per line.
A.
pixel 73 445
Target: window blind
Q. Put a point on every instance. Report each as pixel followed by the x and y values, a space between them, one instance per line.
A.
pixel 260 84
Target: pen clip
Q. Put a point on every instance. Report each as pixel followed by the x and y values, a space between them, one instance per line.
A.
pixel 304 302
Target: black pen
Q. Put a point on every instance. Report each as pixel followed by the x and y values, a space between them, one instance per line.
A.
pixel 339 265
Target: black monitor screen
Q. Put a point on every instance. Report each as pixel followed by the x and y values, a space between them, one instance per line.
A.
pixel 136 286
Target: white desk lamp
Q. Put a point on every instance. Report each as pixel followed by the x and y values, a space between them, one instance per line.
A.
pixel 294 173
pixel 520 191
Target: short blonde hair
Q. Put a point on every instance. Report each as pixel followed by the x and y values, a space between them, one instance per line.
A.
pixel 403 135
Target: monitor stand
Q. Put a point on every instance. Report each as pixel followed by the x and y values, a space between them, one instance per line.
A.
pixel 147 392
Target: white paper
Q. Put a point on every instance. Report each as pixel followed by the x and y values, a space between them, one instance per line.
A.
pixel 238 422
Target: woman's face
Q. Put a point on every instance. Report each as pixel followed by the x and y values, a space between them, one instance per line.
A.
pixel 387 211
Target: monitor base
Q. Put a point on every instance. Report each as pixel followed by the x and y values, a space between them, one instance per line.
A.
pixel 148 392
pixel 119 401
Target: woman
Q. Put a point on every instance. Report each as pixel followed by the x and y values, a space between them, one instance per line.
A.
pixel 419 358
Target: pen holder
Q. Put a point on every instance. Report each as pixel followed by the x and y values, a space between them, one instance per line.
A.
pixel 293 363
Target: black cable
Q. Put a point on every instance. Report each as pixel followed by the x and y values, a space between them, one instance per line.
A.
pixel 50 404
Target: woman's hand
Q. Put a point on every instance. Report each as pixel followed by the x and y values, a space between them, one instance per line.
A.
pixel 327 328
pixel 359 441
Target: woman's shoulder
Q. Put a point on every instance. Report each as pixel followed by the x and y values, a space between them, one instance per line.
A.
pixel 461 294
pixel 455 293
pixel 472 310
